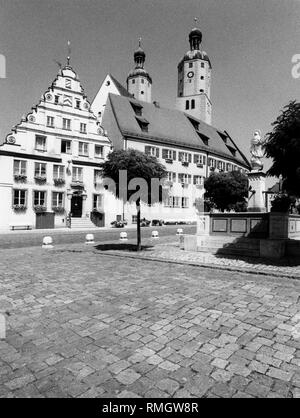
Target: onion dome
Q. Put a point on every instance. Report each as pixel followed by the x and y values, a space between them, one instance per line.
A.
pixel 139 60
pixel 195 39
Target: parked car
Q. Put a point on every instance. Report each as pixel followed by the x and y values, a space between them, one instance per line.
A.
pixel 157 222
pixel 118 224
pixel 145 222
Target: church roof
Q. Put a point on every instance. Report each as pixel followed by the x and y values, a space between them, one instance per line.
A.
pixel 171 127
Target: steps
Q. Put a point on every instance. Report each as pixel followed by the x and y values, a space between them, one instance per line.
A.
pixel 230 246
pixel 82 223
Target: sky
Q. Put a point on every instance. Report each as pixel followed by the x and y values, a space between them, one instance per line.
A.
pixel 250 44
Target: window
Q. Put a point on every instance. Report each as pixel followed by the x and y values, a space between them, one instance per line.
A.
pixel 228 167
pixel 56 99
pixel 185 157
pixel 133 81
pixel 171 176
pixel 77 104
pixel 212 162
pixel 154 151
pixel 198 180
pixel 83 149
pixel 40 170
pixel 99 151
pixel 134 219
pixel 142 81
pixel 83 128
pixel 173 202
pixel 68 83
pixel 221 165
pixel 199 159
pixel 67 100
pixel 39 198
pixel 19 197
pixel 57 199
pixel 97 176
pixel 58 172
pixel 142 92
pixel 67 124
pixel 65 147
pixel 137 108
pixel 50 121
pixel 184 178
pixel 40 143
pixel 168 154
pixel 202 64
pixel 202 78
pixel 190 65
pixel 187 105
pixel 201 91
pixel 185 202
pixel 193 104
pixel 20 167
pixel 77 174
pixel 97 201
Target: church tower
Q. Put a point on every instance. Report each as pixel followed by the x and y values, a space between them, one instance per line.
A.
pixel 139 82
pixel 194 80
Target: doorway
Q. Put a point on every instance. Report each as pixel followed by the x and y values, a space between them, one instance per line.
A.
pixel 76 206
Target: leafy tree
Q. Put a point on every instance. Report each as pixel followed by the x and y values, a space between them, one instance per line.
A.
pixel 283 146
pixel 227 191
pixel 138 165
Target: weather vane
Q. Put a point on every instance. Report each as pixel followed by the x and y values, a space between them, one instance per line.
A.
pixel 140 40
pixel 69 53
pixel 196 20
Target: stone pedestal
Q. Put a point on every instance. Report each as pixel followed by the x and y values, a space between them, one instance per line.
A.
pixel 278 225
pixel 257 187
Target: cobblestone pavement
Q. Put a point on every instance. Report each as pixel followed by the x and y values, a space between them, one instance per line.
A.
pixel 82 323
pixel 170 251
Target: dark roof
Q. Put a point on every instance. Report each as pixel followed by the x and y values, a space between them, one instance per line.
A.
pixel 275 188
pixel 122 90
pixel 173 128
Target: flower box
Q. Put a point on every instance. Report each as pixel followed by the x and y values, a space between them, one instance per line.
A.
pixel 58 209
pixel 59 182
pixel 39 208
pixel 185 163
pixel 40 179
pixel 200 165
pixel 19 208
pixel 22 178
pixel 169 160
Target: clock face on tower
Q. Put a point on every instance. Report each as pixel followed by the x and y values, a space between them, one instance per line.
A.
pixel 190 74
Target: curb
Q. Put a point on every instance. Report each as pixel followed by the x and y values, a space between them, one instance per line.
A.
pixel 244 270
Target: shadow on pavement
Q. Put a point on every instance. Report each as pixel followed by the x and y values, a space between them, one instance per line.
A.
pixel 121 247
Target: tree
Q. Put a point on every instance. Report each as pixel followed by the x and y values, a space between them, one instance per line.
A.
pixel 283 146
pixel 227 191
pixel 138 169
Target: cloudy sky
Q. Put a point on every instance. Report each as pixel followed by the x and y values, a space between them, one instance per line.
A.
pixel 250 44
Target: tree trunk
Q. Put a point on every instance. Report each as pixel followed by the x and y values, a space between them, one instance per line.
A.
pixel 138 224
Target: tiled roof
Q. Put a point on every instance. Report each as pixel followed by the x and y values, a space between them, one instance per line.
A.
pixel 122 90
pixel 172 127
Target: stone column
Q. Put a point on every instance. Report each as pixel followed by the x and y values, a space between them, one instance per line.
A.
pixel 257 187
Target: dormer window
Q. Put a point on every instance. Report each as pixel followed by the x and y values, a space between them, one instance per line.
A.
pixel 143 123
pixel 137 108
pixel 77 104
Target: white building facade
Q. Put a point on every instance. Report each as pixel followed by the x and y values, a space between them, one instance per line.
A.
pixel 50 162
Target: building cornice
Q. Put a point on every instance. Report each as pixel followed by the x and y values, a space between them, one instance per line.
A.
pixel 30 156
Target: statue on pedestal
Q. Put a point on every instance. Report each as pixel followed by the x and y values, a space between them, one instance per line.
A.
pixel 256 151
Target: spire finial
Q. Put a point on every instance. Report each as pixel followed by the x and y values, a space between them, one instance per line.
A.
pixel 140 41
pixel 196 20
pixel 69 53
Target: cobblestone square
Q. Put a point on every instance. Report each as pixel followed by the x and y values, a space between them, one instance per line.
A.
pixel 85 323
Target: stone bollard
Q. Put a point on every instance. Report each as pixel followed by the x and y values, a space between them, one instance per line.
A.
pixel 47 242
pixel 123 236
pixel 89 239
pixel 179 231
pixel 154 235
pixel 2 327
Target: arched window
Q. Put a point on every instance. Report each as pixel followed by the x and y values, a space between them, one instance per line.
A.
pixel 193 104
pixel 187 105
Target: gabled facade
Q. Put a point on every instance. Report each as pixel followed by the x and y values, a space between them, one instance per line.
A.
pixel 50 160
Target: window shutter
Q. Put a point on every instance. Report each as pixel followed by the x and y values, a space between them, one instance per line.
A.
pixel 190 158
pixel 180 156
pixel 157 152
pixel 174 155
pixel 195 158
pixel 204 159
pixel 164 153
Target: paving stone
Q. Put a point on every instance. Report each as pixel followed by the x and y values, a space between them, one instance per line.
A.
pixel 168 385
pixel 127 376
